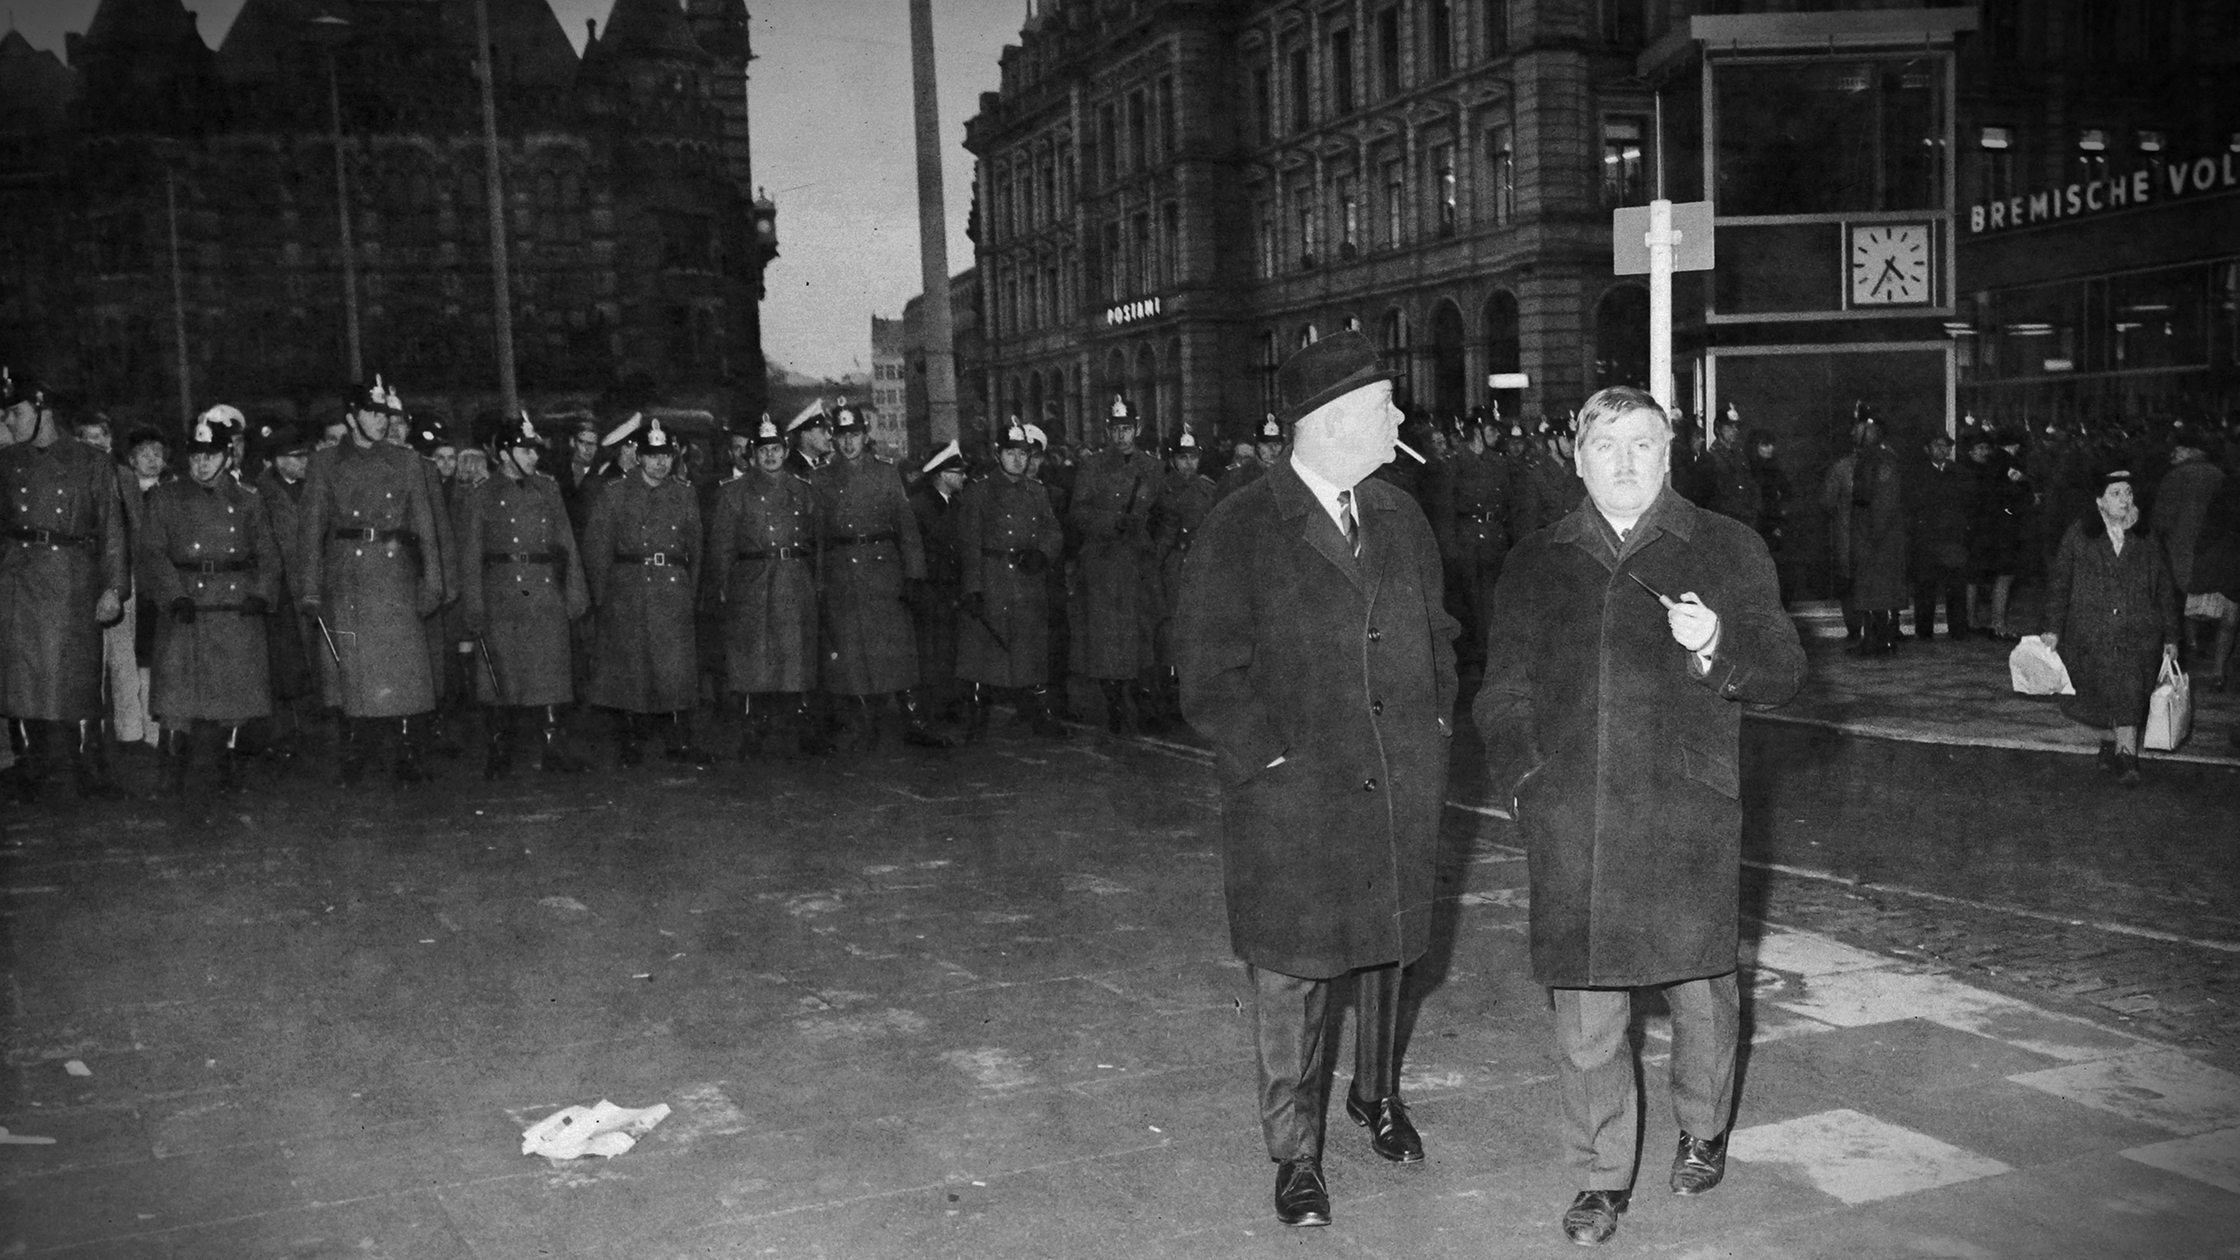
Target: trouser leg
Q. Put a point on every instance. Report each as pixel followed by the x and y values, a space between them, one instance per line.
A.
pixel 89 759
pixel 1290 1027
pixel 914 728
pixel 409 732
pixel 1376 1032
pixel 1706 1020
pixel 629 739
pixel 173 752
pixel 975 712
pixel 123 669
pixel 1039 716
pixel 1595 1076
pixel 497 741
pixel 1957 619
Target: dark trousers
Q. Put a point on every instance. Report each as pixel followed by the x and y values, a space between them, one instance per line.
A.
pixel 1292 1026
pixel 1601 1101
pixel 1930 582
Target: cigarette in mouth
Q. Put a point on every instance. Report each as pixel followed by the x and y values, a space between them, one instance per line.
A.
pixel 1410 450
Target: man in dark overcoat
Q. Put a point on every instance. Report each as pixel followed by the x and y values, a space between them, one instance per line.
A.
pixel 1008 537
pixel 523 591
pixel 1469 507
pixel 933 602
pixel 762 562
pixel 209 563
pixel 1115 491
pixel 64 573
pixel 1877 535
pixel 1940 499
pixel 641 560
pixel 1267 452
pixel 369 536
pixel 1625 640
pixel 1317 658
pixel 1183 504
pixel 871 553
pixel 292 643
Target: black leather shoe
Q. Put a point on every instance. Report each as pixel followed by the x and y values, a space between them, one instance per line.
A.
pixel 1593 1216
pixel 1700 1163
pixel 2108 761
pixel 1302 1196
pixel 1391 1134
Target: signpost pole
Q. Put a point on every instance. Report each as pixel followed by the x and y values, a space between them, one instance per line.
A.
pixel 1661 239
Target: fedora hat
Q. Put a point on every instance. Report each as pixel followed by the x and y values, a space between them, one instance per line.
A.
pixel 1327 370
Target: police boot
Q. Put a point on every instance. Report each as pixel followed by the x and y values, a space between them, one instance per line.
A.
pixel 89 763
pixel 408 768
pixel 680 743
pixel 754 727
pixel 858 724
pixel 497 742
pixel 1114 721
pixel 556 759
pixel 1039 717
pixel 173 753
pixel 284 733
pixel 914 729
pixel 436 726
pixel 975 713
pixel 27 739
pixel 1150 713
pixel 629 738
pixel 353 737
pixel 229 757
pixel 798 737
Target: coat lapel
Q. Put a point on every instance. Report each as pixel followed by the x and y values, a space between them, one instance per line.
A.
pixel 1296 505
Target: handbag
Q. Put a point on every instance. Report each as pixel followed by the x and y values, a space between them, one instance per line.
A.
pixel 2169 710
pixel 2036 670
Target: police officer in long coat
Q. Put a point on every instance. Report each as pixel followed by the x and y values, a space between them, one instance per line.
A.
pixel 641 556
pixel 1183 504
pixel 63 576
pixel 370 534
pixel 1469 513
pixel 297 656
pixel 1007 540
pixel 933 602
pixel 1114 495
pixel 209 563
pixel 1268 446
pixel 872 550
pixel 762 558
pixel 439 462
pixel 524 591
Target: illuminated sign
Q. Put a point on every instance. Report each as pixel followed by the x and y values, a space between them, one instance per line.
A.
pixel 1130 312
pixel 2167 181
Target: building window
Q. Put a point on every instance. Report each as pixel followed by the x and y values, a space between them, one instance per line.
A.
pixel 2092 155
pixel 1341 70
pixel 1302 95
pixel 1114 277
pixel 1997 158
pixel 1443 187
pixel 1624 168
pixel 1395 197
pixel 1501 174
pixel 1144 258
pixel 1170 244
pixel 1166 116
pixel 1108 142
pixel 1624 23
pixel 1265 218
pixel 1139 132
pixel 1497 27
pixel 1050 189
pixel 2152 142
pixel 1388 50
pixel 1302 210
pixel 1264 103
pixel 1438 24
pixel 1349 217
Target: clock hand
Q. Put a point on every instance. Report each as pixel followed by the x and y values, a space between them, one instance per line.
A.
pixel 1889 272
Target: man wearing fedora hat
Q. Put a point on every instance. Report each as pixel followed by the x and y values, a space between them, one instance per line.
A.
pixel 1317 659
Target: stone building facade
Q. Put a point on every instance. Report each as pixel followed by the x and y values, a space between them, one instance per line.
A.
pixel 176 238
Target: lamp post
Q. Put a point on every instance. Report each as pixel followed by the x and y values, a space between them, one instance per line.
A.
pixel 501 277
pixel 330 31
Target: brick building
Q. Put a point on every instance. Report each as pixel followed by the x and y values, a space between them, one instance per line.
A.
pixel 169 226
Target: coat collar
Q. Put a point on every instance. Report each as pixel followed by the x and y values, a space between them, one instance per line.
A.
pixel 1589 530
pixel 1296 505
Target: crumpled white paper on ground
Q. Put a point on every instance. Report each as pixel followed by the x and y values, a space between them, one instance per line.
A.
pixel 604 1130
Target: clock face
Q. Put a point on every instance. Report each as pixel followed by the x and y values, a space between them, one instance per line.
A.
pixel 1890 264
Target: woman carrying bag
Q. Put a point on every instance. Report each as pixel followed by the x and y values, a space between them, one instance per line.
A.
pixel 2110 605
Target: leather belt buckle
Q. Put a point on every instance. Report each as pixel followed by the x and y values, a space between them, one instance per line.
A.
pixel 658 559
pixel 207 568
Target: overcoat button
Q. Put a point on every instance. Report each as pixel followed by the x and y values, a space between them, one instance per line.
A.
pixel 1375 634
pixel 1368 785
pixel 1376 706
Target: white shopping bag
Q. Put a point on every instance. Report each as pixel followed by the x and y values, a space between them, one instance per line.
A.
pixel 2169 710
pixel 2036 669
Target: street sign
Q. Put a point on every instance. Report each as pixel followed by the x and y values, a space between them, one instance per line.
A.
pixel 1629 233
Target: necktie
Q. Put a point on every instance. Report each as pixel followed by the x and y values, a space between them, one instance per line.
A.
pixel 1345 519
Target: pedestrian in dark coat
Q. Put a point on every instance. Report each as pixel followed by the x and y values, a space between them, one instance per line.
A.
pixel 2112 614
pixel 1612 717
pixel 1007 539
pixel 872 553
pixel 524 592
pixel 1183 504
pixel 933 602
pixel 1940 502
pixel 1115 491
pixel 373 569
pixel 762 557
pixel 1877 516
pixel 1730 488
pixel 297 654
pixel 1999 528
pixel 209 563
pixel 1317 658
pixel 641 558
pixel 445 628
pixel 1469 508
pixel 64 572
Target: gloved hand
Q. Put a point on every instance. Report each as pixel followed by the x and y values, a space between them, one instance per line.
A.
pixel 182 610
pixel 109 609
pixel 973 603
pixel 255 605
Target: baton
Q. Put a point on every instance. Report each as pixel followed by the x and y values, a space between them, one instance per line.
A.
pixel 328 635
pixel 489 670
pixel 982 618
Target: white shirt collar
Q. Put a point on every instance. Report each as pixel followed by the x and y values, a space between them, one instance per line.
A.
pixel 1325 493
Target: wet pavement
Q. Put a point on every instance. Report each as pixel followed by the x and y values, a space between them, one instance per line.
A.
pixel 981 1003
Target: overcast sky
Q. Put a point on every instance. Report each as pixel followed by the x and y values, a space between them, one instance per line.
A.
pixel 830 96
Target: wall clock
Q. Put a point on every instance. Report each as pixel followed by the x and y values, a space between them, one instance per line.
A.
pixel 1890 264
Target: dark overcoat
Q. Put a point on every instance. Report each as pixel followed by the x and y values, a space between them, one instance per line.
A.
pixel 2113 613
pixel 1878 532
pixel 1289 646
pixel 1113 498
pixel 1237 476
pixel 871 550
pixel 762 549
pixel 50 644
pixel 296 654
pixel 1548 489
pixel 524 590
pixel 215 546
pixel 1619 753
pixel 374 592
pixel 936 615
pixel 1182 513
pixel 998 520
pixel 641 557
pixel 1999 521
pixel 1940 504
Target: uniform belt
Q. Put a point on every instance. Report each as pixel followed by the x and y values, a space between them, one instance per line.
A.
pixel 653 559
pixel 523 557
pixel 235 565
pixel 49 537
pixel 861 540
pixel 776 553
pixel 1009 555
pixel 355 534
